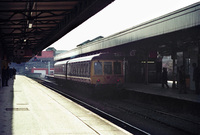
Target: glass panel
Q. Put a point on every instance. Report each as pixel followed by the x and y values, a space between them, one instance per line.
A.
pixel 108 67
pixel 98 68
pixel 117 68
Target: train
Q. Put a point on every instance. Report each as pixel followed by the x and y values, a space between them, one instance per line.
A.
pixel 98 70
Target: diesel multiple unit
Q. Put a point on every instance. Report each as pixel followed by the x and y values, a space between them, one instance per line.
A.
pixel 96 70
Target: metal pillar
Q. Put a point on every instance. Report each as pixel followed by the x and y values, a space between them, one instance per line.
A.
pixel 0 73
pixel 146 70
pixel 173 58
pixel 124 69
pixel 198 59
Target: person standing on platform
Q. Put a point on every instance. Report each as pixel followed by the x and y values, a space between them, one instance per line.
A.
pixel 164 78
pixel 196 77
pixel 10 73
pixel 5 76
pixel 182 83
pixel 14 73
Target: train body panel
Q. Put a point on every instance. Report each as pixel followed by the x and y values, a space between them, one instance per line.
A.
pixel 60 69
pixel 79 79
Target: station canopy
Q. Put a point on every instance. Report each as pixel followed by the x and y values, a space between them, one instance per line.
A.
pixel 29 26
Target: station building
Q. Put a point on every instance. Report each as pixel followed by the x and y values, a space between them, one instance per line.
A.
pixel 42 64
pixel 170 41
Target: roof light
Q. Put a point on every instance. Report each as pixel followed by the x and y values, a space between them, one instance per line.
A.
pixel 30 25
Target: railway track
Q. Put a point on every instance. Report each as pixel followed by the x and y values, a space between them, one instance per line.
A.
pixel 183 124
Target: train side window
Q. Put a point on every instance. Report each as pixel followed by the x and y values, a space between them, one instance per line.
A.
pixel 98 68
pixel 117 68
pixel 108 68
pixel 88 69
pixel 81 69
pixel 75 69
pixel 86 65
pixel 68 69
pixel 71 69
pixel 63 68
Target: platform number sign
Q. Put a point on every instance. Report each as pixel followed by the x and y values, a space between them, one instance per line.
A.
pixel 132 52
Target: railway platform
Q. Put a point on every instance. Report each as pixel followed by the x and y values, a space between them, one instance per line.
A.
pixel 28 108
pixel 155 89
pixel 167 98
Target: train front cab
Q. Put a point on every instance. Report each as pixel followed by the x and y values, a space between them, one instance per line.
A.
pixel 60 71
pixel 107 74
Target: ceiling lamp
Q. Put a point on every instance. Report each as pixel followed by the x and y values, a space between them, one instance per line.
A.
pixel 30 25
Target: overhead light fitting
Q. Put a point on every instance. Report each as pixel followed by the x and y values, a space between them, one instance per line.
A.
pixel 162 46
pixel 30 25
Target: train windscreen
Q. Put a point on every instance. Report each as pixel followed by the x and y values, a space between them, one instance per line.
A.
pixel 98 68
pixel 108 68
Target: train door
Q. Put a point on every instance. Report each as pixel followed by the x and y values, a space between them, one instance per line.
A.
pixel 107 70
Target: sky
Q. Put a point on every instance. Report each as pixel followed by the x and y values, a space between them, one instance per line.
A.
pixel 116 17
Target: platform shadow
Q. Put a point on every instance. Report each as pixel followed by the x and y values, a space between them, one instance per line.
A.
pixel 6 108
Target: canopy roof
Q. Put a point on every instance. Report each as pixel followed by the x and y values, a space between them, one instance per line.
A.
pixel 29 26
